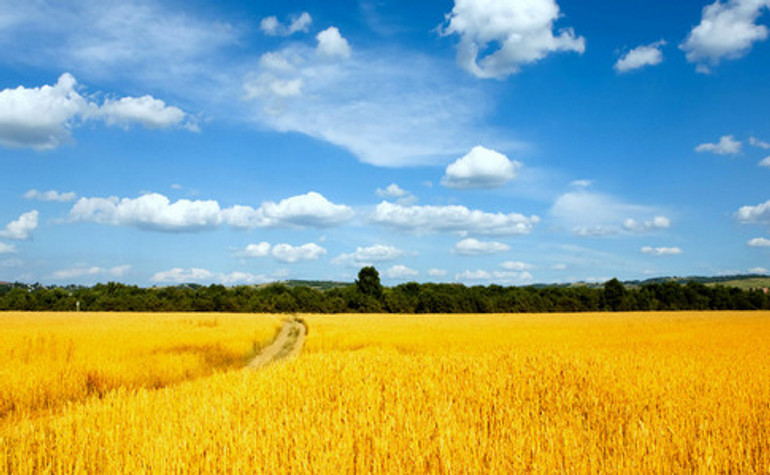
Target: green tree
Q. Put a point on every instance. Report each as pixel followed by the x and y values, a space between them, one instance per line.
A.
pixel 614 292
pixel 368 282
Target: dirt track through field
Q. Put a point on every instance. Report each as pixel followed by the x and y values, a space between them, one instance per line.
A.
pixel 285 346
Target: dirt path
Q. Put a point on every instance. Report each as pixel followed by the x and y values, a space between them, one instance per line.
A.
pixel 286 345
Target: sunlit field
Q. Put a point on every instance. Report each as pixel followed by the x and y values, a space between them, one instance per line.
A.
pixel 551 393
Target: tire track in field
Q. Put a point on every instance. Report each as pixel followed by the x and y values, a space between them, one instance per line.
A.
pixel 286 345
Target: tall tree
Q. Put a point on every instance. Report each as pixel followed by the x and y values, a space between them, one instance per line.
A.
pixel 368 282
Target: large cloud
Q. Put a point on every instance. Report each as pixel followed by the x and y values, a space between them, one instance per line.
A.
pixel 452 219
pixel 43 117
pixel 641 56
pixel 522 30
pixel 480 168
pixel 591 214
pixel 726 31
pixel 156 212
pixel 20 228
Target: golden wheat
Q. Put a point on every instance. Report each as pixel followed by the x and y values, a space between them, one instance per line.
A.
pixel 448 394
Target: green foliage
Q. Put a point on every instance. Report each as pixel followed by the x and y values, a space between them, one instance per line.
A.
pixel 368 282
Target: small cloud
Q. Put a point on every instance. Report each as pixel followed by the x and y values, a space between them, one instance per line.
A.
pixel 395 192
pixel 516 266
pixel 21 228
pixel 292 254
pixel 473 275
pixel 656 223
pixel 757 270
pixel 90 271
pixel 7 248
pixel 559 267
pixel 437 272
pixel 480 168
pixel 765 162
pixel 759 242
pixel 51 195
pixel 298 23
pixel 331 44
pixel 474 247
pixel 366 256
pixel 759 214
pixel 581 184
pixel 661 251
pixel 179 275
pixel 755 142
pixel 641 56
pixel 727 145
pixel 400 272
pixel 255 250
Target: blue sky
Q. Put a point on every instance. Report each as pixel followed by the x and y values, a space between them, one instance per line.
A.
pixel 471 141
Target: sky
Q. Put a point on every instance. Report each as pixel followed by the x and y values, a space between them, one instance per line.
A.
pixel 476 141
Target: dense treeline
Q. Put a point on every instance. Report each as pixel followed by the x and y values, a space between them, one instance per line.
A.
pixel 367 295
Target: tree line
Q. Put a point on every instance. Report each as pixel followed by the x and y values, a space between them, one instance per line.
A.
pixel 367 295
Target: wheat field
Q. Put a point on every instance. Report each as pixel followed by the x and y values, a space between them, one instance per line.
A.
pixel 580 393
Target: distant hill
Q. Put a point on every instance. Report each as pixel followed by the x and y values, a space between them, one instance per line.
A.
pixel 315 284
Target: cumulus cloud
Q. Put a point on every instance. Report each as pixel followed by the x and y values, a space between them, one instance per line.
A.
pixel 591 214
pixel 474 247
pixel 255 250
pixel 366 256
pixel 727 145
pixel 156 212
pixel 759 214
pixel 178 275
pixel 331 44
pixel 641 56
pixel 299 23
pixel 51 195
pixel 90 271
pixel 395 192
pixel 521 31
pixel 292 254
pixel 661 251
pixel 7 248
pixel 480 168
pixel 759 242
pixel 755 142
pixel 43 117
pixel 399 271
pixel 21 228
pixel 726 31
pixel 451 219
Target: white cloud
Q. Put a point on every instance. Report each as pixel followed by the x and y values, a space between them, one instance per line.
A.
pixel 21 228
pixel 146 110
pixel 92 271
pixel 516 266
pixel 474 247
pixel 726 31
pixel 559 267
pixel 641 56
pixel 754 214
pixel 452 219
pixel 590 214
pixel 331 44
pixel 156 212
pixel 727 145
pixel 765 162
pixel 380 106
pixel 759 242
pixel 522 31
pixel 365 256
pixel 400 272
pixel 581 184
pixel 51 195
pixel 437 272
pixel 480 168
pixel 472 275
pixel 7 248
pixel 272 27
pixel 42 118
pixel 757 270
pixel 255 250
pixel 661 251
pixel 656 223
pixel 393 191
pixel 292 254
pixel 755 142
pixel 179 275
pixel 512 277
